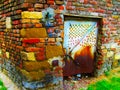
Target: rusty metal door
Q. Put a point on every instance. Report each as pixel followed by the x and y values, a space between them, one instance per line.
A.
pixel 80 43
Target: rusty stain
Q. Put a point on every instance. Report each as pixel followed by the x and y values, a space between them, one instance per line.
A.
pixel 84 52
pixel 83 62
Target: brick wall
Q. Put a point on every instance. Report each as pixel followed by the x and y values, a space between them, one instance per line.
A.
pixel 32 32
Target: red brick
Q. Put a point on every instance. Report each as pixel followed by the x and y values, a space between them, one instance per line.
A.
pixel 85 1
pixel 90 9
pixel 69 3
pixel 70 8
pixel 109 5
pixel 93 2
pixel 109 12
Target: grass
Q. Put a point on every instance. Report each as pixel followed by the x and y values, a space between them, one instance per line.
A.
pixel 110 82
pixel 2 87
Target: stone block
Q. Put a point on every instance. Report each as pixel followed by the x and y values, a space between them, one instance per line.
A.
pixel 110 54
pixel 117 56
pixel 33 15
pixel 38 33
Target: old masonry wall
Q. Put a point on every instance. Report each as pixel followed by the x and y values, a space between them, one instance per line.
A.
pixel 32 34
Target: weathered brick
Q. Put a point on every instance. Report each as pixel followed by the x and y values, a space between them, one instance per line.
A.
pixel 93 2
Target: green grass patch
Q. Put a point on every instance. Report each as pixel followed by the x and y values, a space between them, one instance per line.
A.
pixel 2 87
pixel 111 83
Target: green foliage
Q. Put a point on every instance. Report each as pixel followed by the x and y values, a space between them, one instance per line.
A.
pixel 115 82
pixel 2 87
pixel 115 79
pixel 100 85
pixel 91 87
pixel 119 71
pixel 111 83
pixel 107 73
pixel 82 89
pixel 1 83
pixel 103 85
pixel 115 86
